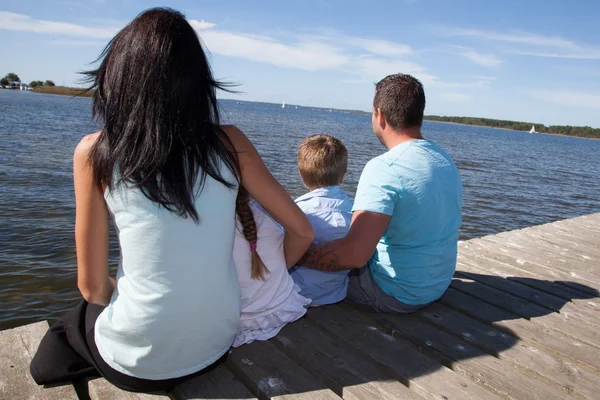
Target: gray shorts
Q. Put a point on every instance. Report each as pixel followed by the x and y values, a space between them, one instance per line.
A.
pixel 364 291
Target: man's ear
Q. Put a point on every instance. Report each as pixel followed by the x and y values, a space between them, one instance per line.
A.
pixel 381 119
pixel 342 178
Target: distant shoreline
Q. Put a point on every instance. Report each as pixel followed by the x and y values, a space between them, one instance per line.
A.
pixel 63 91
pixel 508 129
pixel 58 90
pixel 69 91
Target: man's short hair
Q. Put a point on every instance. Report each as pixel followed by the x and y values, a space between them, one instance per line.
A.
pixel 401 99
pixel 322 161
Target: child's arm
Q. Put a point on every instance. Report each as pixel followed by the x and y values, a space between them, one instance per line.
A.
pixel 351 251
pixel 265 189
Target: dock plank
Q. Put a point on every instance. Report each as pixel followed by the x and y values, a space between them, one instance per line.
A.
pixel 576 351
pixel 587 224
pixel 270 374
pixel 585 240
pixel 568 325
pixel 527 293
pixel 520 275
pixel 533 243
pixel 585 275
pixel 17 348
pixel 541 255
pixel 218 384
pixel 503 344
pixel 500 377
pixel 560 239
pixel 101 389
pixel 426 376
pixel 348 374
pixel 570 279
pixel 583 311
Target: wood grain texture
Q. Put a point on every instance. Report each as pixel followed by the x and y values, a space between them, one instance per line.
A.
pixel 17 347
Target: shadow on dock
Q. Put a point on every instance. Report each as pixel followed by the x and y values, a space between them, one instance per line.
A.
pixel 481 318
pixel 488 336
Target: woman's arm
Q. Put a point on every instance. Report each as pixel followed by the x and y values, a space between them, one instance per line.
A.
pixel 265 189
pixel 91 229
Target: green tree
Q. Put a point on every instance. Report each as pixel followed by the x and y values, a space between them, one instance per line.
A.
pixel 4 82
pixel 49 83
pixel 34 84
pixel 12 77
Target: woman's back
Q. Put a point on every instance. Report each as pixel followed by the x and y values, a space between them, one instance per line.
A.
pixel 176 278
pixel 174 308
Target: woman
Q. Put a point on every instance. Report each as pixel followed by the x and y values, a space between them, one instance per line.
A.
pixel 168 173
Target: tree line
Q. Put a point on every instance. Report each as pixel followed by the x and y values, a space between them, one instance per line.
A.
pixel 579 131
pixel 11 78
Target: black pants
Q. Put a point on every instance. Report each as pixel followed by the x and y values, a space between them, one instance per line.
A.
pixel 68 353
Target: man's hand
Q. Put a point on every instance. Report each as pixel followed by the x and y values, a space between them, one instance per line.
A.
pixel 352 251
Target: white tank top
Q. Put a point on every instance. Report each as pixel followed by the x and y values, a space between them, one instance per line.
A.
pixel 176 308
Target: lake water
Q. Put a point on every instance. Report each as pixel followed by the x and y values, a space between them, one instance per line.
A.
pixel 511 180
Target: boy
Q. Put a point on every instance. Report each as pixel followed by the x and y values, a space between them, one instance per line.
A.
pixel 322 163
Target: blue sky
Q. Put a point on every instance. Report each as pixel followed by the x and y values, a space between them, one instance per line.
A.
pixel 528 60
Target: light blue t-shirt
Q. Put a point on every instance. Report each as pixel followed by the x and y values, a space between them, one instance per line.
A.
pixel 418 185
pixel 329 210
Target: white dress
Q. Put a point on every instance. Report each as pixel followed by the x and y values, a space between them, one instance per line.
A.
pixel 269 304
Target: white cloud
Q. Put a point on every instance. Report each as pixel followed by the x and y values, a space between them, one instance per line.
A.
pixel 310 56
pixel 19 22
pixel 78 43
pixel 570 98
pixel 485 59
pixel 381 47
pixel 484 82
pixel 364 59
pixel 528 43
pixel 511 37
pixel 314 53
pixel 201 25
pixel 370 68
pixel 454 97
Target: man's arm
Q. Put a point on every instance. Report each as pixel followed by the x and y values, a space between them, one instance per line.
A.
pixel 352 251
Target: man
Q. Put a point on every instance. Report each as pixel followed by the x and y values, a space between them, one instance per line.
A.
pixel 402 241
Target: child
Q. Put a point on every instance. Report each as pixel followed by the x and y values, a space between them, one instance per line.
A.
pixel 322 163
pixel 270 299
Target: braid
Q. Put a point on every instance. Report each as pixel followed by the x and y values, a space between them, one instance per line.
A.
pixel 246 217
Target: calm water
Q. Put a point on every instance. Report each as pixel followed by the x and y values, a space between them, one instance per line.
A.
pixel 511 180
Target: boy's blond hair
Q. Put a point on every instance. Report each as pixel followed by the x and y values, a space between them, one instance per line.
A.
pixel 322 161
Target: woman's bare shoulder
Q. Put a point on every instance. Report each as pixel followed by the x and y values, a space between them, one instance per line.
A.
pixel 86 143
pixel 233 132
pixel 240 141
pixel 83 149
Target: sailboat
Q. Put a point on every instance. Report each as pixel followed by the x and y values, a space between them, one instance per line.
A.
pixel 532 129
pixel 283 105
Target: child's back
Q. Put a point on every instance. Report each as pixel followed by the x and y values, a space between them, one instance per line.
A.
pixel 269 303
pixel 329 210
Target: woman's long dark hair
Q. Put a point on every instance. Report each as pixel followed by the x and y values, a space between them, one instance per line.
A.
pixel 156 97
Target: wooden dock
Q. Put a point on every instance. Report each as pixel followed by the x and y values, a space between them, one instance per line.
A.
pixel 520 321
